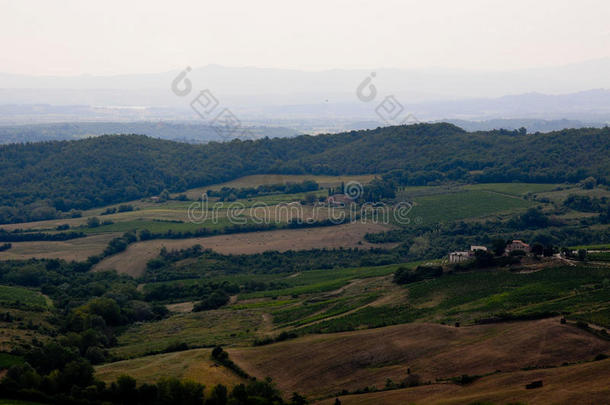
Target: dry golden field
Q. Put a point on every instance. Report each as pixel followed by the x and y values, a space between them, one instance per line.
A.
pixel 353 360
pixel 133 260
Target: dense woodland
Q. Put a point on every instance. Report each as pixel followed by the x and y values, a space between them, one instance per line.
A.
pixel 52 179
pixel 89 309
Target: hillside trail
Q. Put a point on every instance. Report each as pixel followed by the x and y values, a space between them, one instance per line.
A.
pixel 385 299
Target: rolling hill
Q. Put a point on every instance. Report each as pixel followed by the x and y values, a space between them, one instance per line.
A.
pixel 39 180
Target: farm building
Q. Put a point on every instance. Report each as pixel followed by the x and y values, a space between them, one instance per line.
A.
pixel 458 257
pixel 516 245
pixel 339 200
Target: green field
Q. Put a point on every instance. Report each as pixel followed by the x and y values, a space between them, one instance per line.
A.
pixel 335 300
pixel 599 256
pixel 465 204
pixel 307 282
pixel 318 281
pixel 515 189
pixel 581 293
pixel 480 294
pixel 604 246
pixel 518 189
pixel 198 329
pixel 157 226
pixel 8 360
pixel 22 296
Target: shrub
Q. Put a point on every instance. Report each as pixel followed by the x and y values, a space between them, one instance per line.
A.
pixel 215 300
pixel 465 379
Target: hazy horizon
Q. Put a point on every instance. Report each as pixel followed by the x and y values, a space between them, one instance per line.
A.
pixel 115 38
pixel 278 61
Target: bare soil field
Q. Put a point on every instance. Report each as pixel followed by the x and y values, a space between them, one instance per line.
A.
pixel 353 360
pixel 75 249
pixel 583 384
pixel 133 260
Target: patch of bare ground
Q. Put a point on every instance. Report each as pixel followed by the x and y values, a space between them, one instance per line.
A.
pixel 583 384
pixel 320 365
pixel 181 307
pixel 74 249
pixel 133 260
pixel 532 265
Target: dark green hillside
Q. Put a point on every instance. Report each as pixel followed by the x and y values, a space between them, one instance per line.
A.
pixel 39 179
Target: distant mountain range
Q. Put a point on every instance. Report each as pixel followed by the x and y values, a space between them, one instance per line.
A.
pixel 418 84
pixel 317 101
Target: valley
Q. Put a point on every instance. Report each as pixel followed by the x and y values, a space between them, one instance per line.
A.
pixel 364 308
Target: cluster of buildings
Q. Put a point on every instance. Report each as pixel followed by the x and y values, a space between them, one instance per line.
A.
pixel 512 246
pixel 458 257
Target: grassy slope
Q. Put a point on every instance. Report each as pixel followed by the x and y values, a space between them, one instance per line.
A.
pixel 195 365
pixel 30 311
pixel 465 204
pixel 346 299
pixel 467 296
pixel 196 329
pixel 22 295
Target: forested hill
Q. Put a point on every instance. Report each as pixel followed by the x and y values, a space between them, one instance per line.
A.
pixel 38 178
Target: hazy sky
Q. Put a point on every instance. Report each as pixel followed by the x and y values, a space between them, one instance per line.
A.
pixel 125 36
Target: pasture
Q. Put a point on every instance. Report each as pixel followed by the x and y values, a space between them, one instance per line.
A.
pixel 22 297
